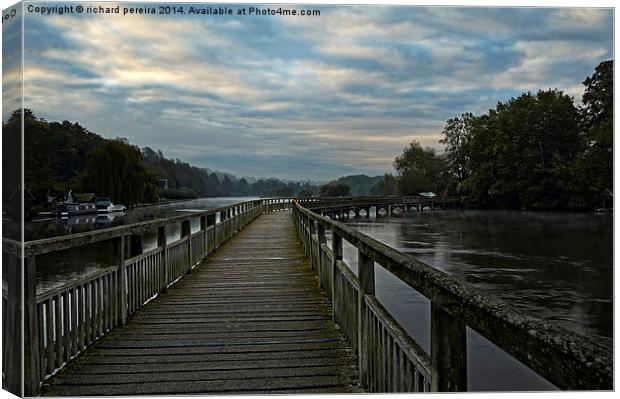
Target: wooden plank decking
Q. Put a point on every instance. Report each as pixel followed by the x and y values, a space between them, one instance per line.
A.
pixel 250 319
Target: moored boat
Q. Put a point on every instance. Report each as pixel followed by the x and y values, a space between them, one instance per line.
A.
pixel 105 205
pixel 75 209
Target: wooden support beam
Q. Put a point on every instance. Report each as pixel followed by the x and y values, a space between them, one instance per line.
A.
pixel 12 350
pixel 337 256
pixel 186 231
pixel 366 278
pixel 135 245
pixel 448 352
pixel 163 244
pixel 119 249
pixel 31 330
pixel 203 229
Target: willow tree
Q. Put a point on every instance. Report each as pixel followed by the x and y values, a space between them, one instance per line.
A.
pixel 116 170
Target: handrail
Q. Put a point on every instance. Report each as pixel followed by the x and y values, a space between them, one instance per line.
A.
pixel 316 203
pixel 568 360
pixel 61 322
pixel 53 244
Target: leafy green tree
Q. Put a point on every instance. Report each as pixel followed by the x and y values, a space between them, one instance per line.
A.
pixel 457 134
pixel 420 169
pixel 242 187
pixel 335 190
pixel 387 186
pixel 12 176
pixel 54 154
pixel 116 169
pixel 360 184
pixel 594 167
pixel 284 192
pixel 306 193
pixel 519 154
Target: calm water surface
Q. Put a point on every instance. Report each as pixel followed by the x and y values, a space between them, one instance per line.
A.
pixel 556 266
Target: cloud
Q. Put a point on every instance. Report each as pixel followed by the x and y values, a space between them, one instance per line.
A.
pixel 312 97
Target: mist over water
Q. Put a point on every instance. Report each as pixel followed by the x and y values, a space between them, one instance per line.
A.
pixel 556 266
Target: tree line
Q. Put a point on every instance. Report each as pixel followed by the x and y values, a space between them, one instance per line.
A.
pixel 535 151
pixel 63 156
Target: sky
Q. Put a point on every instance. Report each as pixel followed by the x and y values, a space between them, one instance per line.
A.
pixel 301 98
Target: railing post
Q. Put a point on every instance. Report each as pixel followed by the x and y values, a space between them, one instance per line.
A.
pixel 203 228
pixel 312 246
pixel 238 218
pixel 211 222
pixel 448 352
pixel 119 249
pixel 366 277
pixel 162 243
pixel 308 233
pixel 322 240
pixel 32 366
pixel 233 214
pixel 13 339
pixel 337 252
pixel 135 245
pixel 222 227
pixel 186 231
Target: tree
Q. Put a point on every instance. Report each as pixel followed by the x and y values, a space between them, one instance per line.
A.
pixel 227 185
pixel 387 186
pixel 360 184
pixel 242 187
pixel 12 175
pixel 306 193
pixel 335 190
pixel 457 134
pixel 116 169
pixel 520 153
pixel 594 167
pixel 420 169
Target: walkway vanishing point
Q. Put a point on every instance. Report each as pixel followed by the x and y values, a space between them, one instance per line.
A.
pixel 241 306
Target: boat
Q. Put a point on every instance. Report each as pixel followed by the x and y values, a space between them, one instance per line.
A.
pixel 75 209
pixel 89 206
pixel 105 205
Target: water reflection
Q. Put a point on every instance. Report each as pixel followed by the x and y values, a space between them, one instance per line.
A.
pixel 58 268
pixel 555 266
pixel 53 227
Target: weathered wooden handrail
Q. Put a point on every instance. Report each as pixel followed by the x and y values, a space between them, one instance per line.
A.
pixel 61 322
pixel 566 359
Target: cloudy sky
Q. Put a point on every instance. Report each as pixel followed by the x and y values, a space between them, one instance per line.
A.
pixel 301 97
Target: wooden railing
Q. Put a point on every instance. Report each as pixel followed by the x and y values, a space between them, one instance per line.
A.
pixel 392 361
pixel 60 323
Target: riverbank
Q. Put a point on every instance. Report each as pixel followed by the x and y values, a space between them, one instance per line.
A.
pixel 165 202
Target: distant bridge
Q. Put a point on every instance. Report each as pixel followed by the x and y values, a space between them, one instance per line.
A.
pixel 235 308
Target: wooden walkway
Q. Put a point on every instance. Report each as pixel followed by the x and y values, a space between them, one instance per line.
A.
pixel 250 319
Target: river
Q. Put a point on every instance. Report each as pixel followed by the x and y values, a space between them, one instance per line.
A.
pixel 556 266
